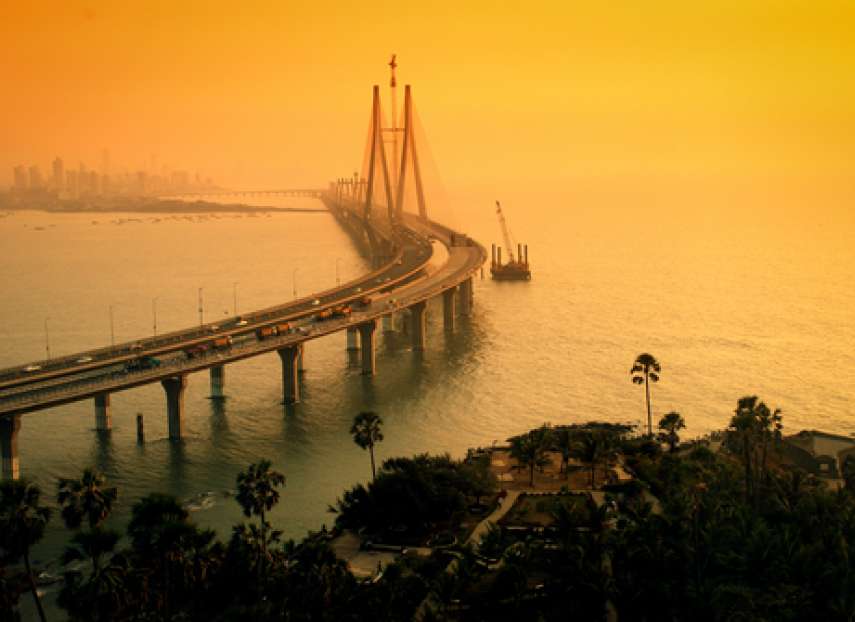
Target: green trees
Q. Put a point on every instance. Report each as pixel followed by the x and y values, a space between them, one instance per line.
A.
pixel 645 370
pixel 594 447
pixel 99 595
pixel 670 425
pixel 22 524
pixel 564 440
pixel 366 433
pixel 752 429
pixel 530 449
pixel 257 495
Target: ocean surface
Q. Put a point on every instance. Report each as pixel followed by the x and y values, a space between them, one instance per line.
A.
pixel 729 308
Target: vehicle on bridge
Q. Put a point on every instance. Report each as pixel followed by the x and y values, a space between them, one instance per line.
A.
pixel 266 331
pixel 142 363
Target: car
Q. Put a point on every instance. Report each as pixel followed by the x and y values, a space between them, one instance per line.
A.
pixel 84 359
pixel 316 302
pixel 213 328
pixel 32 367
pixel 136 346
pixel 303 330
pixel 241 323
pixel 358 289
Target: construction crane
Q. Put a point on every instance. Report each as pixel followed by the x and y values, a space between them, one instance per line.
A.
pixel 509 244
pixel 517 267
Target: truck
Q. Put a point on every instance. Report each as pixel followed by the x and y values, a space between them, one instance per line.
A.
pixel 323 314
pixel 198 350
pixel 342 311
pixel 366 301
pixel 266 331
pixel 284 328
pixel 223 342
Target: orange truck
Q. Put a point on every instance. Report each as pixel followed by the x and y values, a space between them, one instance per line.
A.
pixel 266 331
pixel 223 342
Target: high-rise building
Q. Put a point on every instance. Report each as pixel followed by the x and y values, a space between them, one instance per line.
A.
pixel 71 184
pixel 58 175
pixel 21 180
pixel 36 180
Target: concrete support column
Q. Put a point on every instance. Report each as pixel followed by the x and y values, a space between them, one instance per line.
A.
pixel 388 323
pixel 9 427
pixel 368 342
pixel 418 315
pixel 352 339
pixel 218 382
pixel 466 297
pixel 174 388
pixel 449 308
pixel 290 377
pixel 103 413
pixel 301 358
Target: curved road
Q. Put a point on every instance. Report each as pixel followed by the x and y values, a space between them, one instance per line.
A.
pixel 401 283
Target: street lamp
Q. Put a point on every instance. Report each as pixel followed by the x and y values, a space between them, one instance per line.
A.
pixel 234 296
pixel 112 328
pixel 201 311
pixel 294 281
pixel 47 340
pixel 337 277
pixel 154 315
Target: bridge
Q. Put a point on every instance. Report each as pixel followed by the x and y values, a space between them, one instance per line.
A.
pixel 314 193
pixel 370 208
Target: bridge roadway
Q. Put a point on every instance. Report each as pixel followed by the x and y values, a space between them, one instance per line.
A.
pixel 401 283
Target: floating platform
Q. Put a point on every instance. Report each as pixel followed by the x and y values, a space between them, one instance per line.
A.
pixel 515 269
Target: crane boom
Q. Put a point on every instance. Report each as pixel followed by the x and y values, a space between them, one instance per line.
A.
pixel 505 233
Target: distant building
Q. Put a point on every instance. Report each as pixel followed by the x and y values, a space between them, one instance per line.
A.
pixel 58 175
pixel 818 452
pixel 71 184
pixel 94 178
pixel 36 179
pixel 21 179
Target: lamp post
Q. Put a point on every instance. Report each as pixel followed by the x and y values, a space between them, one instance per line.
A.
pixel 47 340
pixel 337 277
pixel 294 281
pixel 201 310
pixel 154 315
pixel 112 328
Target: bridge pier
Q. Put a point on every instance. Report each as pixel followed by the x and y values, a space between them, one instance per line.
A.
pixel 388 323
pixel 449 308
pixel 352 339
pixel 9 427
pixel 466 297
pixel 290 373
pixel 301 358
pixel 368 342
pixel 103 413
pixel 174 388
pixel 419 332
pixel 218 382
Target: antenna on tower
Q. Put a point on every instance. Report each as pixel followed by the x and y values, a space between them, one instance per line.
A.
pixel 392 89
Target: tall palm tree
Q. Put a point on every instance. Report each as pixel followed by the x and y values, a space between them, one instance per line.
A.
pixel 22 524
pixel 85 498
pixel 257 494
pixel 670 424
pixel 645 370
pixel 366 433
pixel 530 449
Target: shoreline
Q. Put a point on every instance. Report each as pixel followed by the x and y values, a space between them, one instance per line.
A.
pixel 148 206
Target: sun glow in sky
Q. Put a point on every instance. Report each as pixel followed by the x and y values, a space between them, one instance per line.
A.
pixel 737 94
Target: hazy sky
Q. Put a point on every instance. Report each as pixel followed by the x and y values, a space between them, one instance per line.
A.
pixel 521 94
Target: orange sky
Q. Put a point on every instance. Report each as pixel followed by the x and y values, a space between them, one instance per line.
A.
pixel 516 93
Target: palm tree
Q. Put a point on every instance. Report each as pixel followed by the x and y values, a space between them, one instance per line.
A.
pixel 85 498
pixel 565 441
pixel 594 447
pixel 530 449
pixel 646 370
pixel 366 432
pixel 257 494
pixel 670 424
pixel 22 524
